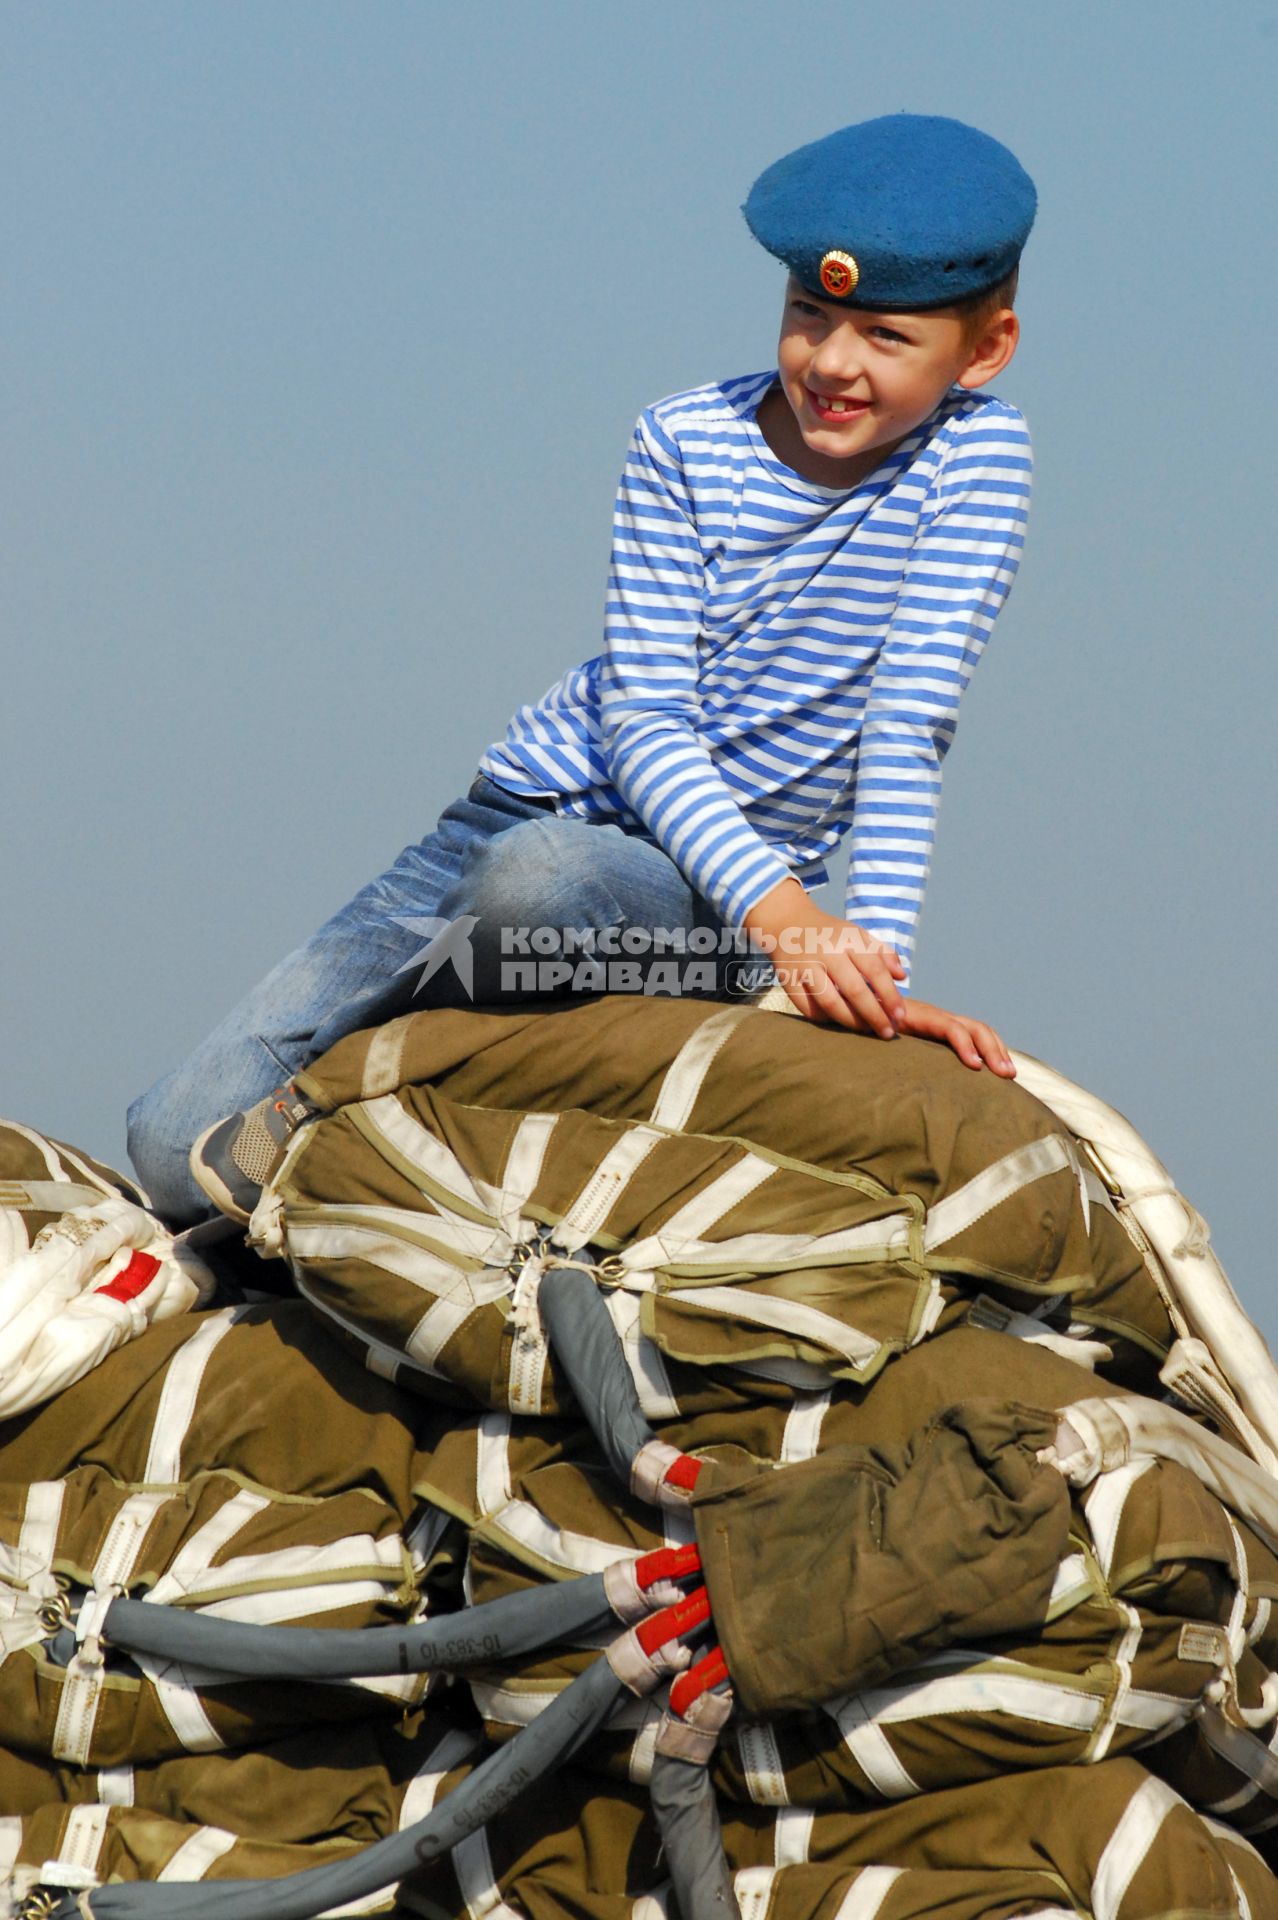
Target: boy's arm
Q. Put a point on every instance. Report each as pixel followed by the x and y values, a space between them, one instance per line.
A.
pixel 958 577
pixel 649 707
pixel 650 718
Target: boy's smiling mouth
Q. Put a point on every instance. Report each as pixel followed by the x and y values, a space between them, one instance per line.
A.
pixel 835 407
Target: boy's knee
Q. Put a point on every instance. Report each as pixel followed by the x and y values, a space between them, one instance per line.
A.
pixel 517 878
pixel 159 1160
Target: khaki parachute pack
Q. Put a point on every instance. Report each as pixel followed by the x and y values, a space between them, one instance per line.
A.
pixel 772 1199
pixel 878 1452
pixel 83 1266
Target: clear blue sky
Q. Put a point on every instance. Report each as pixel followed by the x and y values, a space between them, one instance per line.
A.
pixel 325 326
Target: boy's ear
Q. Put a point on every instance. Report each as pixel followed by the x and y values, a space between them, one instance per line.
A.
pixel 992 348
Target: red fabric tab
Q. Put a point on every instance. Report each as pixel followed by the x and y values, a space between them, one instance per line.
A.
pixel 709 1672
pixel 673 1622
pixel 666 1563
pixel 683 1472
pixel 133 1279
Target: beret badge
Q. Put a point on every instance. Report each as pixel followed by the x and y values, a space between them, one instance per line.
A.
pixel 839 274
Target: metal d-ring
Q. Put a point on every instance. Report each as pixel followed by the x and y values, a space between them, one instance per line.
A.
pixel 39 1904
pixel 55 1612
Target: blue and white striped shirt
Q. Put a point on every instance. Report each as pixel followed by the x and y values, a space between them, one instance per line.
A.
pixel 783 662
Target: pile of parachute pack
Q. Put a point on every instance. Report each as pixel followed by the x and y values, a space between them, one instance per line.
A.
pixel 697 1465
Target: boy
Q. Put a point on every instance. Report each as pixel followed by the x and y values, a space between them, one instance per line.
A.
pixel 806 566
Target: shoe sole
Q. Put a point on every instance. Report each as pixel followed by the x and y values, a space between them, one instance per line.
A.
pixel 208 1181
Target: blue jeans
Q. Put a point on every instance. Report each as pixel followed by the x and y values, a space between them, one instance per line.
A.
pixel 509 861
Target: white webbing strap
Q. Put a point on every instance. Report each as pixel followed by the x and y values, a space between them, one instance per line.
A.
pixel 524 1161
pixel 473 1866
pixel 1073 1584
pixel 801 1439
pixel 418 1150
pixel 792 1836
pixel 1099 1435
pixel 525 1533
pixel 753 1887
pixel 685 1075
pixel 360 1571
pixel 10 1845
pixel 522 1530
pixel 1260 1621
pixel 85 1674
pixel 873 1752
pixel 680 1086
pixel 76 1862
pixel 385 1057
pixel 1246 1753
pixel 492 1463
pixel 1020 1694
pixel 182 1381
pixel 762 1765
pixel 979 1196
pixel 1105 1503
pixel 1183 1265
pixel 115 1786
pixel 994 1687
pixel 519 1704
pixel 1191 1374
pixel 38 1535
pixel 47 1196
pixel 422 1791
pixel 786 1316
pixel 195 1555
pixel 197 1854
pixel 643 1748
pixel 643 1357
pixel 1128 1846
pixel 705 1209
pixel 605 1186
pixel 1114 1715
pixel 1236 1627
pixel 457 1293
pixel 28 1584
pixel 1244 1904
pixel 652 1906
pixel 870 1240
pixel 868 1891
pixel 53 1166
pixel 180 1704
pixel 90 1175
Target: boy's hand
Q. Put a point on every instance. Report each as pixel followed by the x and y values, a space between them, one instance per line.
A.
pixel 831 969
pixel 975 1043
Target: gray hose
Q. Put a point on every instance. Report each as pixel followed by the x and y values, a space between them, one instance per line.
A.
pixel 692 1840
pixel 553 1737
pixel 588 1349
pixel 498 1631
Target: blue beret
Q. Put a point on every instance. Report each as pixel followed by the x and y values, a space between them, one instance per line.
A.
pixel 910 211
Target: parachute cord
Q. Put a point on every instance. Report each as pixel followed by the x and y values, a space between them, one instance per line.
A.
pixel 638 1661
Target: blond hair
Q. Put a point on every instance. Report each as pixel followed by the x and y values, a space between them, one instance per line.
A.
pixel 976 310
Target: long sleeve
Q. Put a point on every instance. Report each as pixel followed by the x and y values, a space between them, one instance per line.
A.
pixel 958 575
pixel 649 703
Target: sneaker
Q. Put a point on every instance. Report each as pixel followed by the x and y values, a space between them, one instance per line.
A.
pixel 233 1159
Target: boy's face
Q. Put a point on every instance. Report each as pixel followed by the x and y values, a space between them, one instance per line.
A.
pixel 857 382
